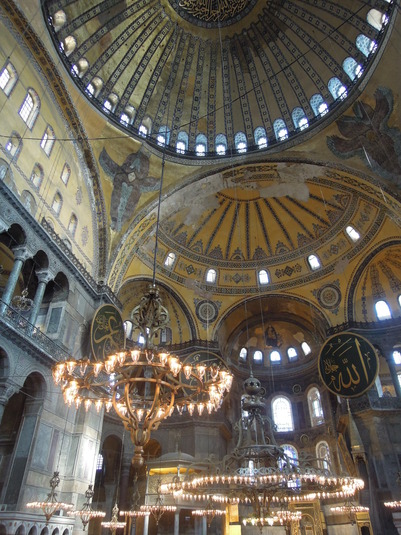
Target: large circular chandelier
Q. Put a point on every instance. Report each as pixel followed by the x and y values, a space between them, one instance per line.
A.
pixel 259 472
pixel 143 384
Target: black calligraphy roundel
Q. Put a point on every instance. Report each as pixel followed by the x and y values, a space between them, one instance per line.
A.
pixel 348 364
pixel 107 332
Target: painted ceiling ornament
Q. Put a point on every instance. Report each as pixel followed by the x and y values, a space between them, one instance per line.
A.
pixel 130 180
pixel 212 13
pixel 368 136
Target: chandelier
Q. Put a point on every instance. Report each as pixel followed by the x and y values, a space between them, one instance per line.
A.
pixel 87 512
pixel 157 509
pixel 281 517
pixel 209 512
pixel 114 524
pixel 259 472
pixel 144 385
pixel 51 504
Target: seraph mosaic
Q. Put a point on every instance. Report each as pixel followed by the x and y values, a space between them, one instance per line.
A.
pixel 130 180
pixel 368 135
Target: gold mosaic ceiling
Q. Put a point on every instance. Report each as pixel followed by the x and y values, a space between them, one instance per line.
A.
pixel 219 72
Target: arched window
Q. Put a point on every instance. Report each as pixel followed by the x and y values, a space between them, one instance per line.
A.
pixel 221 144
pixel 72 225
pixel 292 353
pixel 93 89
pixel 170 259
pixel 166 335
pixel 323 455
pixel 8 78
pixel 365 45
pixel 30 108
pixel 142 130
pixel 280 130
pixel 397 357
pixel 275 356
pixel 99 462
pixel 258 356
pixel 352 233
pixel 318 105
pixel 383 311
pixel 59 19
pixel 211 276
pixel 313 261
pixel 377 19
pixel 68 45
pixel 57 203
pixel 243 353
pixel 182 142
pixel 352 69
pixel 299 118
pixel 282 414
pixel 399 300
pixel 14 145
pixel 240 142
pixel 337 89
pixel 80 68
pixel 306 348
pixel 263 277
pixel 128 328
pixel 291 460
pixel 37 176
pixel 48 140
pixel 163 137
pixel 315 407
pixel 260 137
pixel 127 116
pixel 201 145
pixel 65 173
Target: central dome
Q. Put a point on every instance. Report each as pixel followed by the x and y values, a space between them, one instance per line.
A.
pixel 213 79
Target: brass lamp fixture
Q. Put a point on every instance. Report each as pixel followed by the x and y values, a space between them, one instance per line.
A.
pixel 87 512
pixel 209 512
pixel 157 509
pixel 51 505
pixel 144 385
pixel 114 524
pixel 259 472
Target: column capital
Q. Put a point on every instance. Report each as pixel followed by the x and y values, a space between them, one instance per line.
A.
pixel 44 275
pixel 21 252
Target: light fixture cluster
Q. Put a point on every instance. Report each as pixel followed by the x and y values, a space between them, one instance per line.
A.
pixel 393 505
pixel 281 517
pixel 51 504
pixel 144 385
pixel 259 472
pixel 114 524
pixel 87 512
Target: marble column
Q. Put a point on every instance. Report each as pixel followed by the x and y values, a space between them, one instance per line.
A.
pixel 43 277
pixel 20 255
pixel 177 522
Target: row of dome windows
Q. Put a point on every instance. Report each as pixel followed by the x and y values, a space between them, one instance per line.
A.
pixel 338 90
pixel 275 355
pixel 263 275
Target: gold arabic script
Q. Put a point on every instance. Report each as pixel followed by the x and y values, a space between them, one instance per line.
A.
pixel 213 10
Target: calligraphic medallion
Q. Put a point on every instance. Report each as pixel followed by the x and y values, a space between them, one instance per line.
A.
pixel 348 364
pixel 107 332
pixel 212 13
